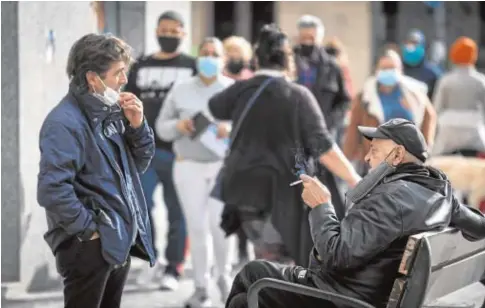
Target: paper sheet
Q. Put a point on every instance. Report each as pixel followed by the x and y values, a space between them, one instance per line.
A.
pixel 209 139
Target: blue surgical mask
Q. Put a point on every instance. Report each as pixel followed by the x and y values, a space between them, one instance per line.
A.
pixel 413 54
pixel 388 77
pixel 209 66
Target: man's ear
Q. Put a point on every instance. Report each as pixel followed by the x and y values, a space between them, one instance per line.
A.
pixel 91 79
pixel 399 155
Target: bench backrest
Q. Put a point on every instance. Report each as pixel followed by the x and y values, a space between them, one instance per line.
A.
pixel 435 264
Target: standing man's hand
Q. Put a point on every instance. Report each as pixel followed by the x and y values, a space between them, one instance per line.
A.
pixel 133 109
pixel 314 192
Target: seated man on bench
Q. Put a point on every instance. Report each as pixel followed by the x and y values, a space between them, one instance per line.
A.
pixel 359 256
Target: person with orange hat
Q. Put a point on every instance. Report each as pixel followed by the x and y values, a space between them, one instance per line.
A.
pixel 460 102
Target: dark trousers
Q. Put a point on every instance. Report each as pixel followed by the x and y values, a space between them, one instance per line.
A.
pixel 161 171
pixel 89 281
pixel 268 297
pixel 242 245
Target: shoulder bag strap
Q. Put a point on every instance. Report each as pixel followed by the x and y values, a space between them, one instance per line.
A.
pixel 248 106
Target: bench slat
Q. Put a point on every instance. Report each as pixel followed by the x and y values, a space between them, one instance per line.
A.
pixel 455 276
pixel 450 245
pixel 445 246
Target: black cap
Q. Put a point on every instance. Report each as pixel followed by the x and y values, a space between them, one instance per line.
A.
pixel 402 132
pixel 171 15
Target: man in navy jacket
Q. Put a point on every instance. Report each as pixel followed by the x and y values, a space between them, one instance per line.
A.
pixel 94 144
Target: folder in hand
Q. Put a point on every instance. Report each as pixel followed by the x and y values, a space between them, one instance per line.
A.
pixel 206 133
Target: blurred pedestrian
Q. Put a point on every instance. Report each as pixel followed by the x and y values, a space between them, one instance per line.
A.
pixel 334 47
pixel 239 53
pixel 413 52
pixel 386 95
pixel 197 166
pixel 151 78
pixel 93 145
pixel 277 126
pixel 320 72
pixel 460 102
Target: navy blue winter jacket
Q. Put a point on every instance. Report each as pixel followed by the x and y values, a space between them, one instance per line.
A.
pixel 89 177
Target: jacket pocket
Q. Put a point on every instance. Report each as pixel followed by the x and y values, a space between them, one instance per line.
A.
pixel 80 259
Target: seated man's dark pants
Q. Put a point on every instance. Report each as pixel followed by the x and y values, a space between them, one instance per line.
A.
pixel 268 297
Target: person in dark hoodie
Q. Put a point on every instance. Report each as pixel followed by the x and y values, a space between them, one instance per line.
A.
pixel 359 255
pixel 413 52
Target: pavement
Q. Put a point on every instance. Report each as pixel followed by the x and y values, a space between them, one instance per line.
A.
pixel 470 297
pixel 146 295
pixel 140 298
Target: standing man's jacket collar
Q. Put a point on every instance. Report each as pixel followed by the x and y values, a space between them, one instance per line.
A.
pixel 95 110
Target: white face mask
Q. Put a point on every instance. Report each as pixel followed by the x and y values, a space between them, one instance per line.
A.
pixel 110 97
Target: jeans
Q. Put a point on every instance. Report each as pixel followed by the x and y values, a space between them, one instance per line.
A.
pixel 161 171
pixel 89 281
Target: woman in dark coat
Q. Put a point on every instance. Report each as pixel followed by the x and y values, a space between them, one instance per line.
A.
pixel 281 131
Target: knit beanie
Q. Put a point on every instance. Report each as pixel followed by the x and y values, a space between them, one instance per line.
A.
pixel 464 51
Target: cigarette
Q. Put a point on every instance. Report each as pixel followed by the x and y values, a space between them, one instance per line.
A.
pixel 296 183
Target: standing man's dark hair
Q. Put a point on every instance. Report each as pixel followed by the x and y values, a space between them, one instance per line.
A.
pixel 95 53
pixel 93 145
pixel 151 78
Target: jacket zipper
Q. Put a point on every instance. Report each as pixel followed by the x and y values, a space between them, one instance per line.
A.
pixel 133 217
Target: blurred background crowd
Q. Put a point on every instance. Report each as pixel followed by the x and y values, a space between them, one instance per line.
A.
pixel 363 62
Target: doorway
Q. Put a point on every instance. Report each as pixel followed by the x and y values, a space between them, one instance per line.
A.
pixel 263 13
pixel 242 18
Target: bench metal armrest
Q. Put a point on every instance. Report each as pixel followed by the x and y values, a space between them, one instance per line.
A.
pixel 253 293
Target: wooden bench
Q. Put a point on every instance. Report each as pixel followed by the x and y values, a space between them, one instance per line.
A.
pixel 434 264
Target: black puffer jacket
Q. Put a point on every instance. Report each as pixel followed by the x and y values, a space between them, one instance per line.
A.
pixel 360 255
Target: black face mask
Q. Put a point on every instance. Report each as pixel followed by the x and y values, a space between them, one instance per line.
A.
pixel 168 44
pixel 332 51
pixel 307 50
pixel 235 66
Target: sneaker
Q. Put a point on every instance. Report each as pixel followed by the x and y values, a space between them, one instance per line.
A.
pixel 199 299
pixel 224 285
pixel 169 282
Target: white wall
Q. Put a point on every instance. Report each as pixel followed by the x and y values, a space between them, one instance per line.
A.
pixel 41 86
pixel 153 9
